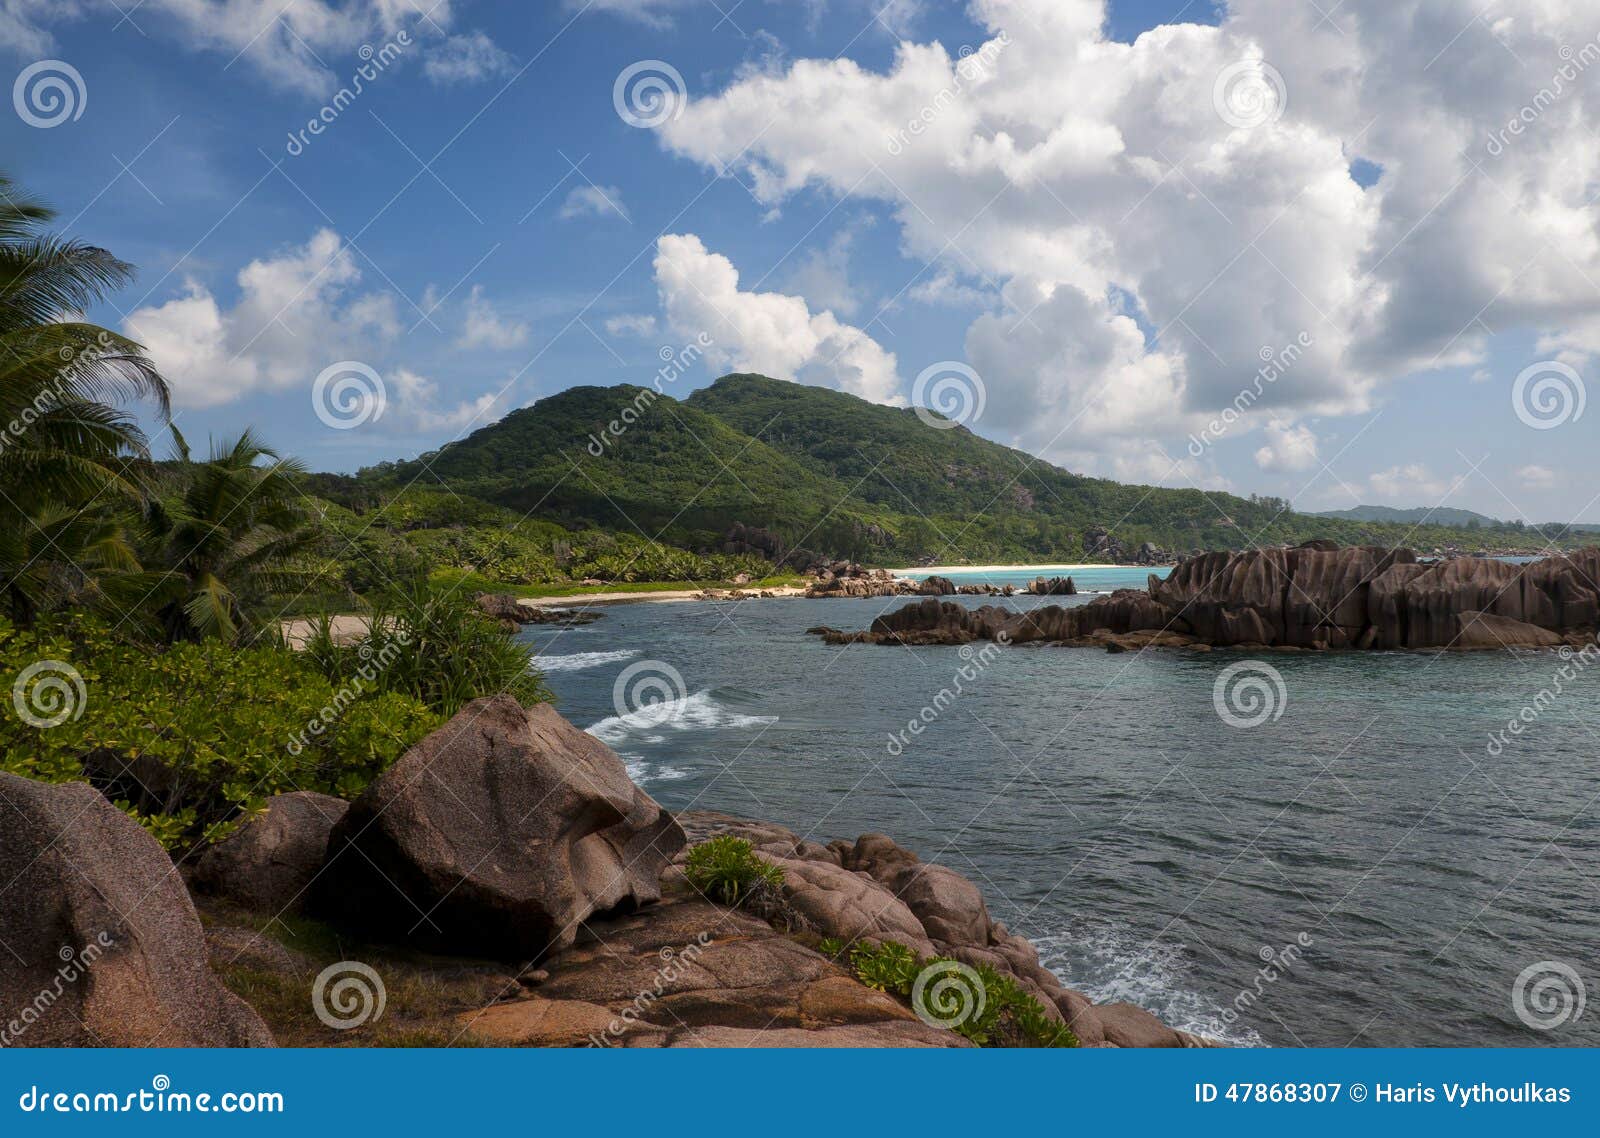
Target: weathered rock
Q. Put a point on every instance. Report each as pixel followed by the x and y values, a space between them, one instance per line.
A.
pixel 93 913
pixel 1311 597
pixel 495 836
pixel 233 946
pixel 1481 630
pixel 850 906
pixel 895 1034
pixel 1128 1025
pixel 936 587
pixel 268 864
pixel 1053 587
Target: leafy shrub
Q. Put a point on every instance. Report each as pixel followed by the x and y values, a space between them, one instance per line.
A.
pixel 1009 1017
pixel 433 645
pixel 727 869
pixel 192 738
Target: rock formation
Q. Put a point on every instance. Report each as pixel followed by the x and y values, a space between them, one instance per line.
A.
pixel 103 946
pixel 269 863
pixel 495 836
pixel 1311 597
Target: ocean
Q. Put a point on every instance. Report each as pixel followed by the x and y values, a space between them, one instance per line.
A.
pixel 1324 850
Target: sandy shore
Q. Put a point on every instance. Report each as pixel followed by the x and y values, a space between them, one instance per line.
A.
pixel 350 627
pixel 618 598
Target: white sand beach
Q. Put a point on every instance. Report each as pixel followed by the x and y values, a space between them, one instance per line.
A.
pixel 945 570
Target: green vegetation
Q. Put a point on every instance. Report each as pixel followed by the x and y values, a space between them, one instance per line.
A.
pixel 728 869
pixel 432 645
pixel 819 473
pixel 191 738
pixel 986 1007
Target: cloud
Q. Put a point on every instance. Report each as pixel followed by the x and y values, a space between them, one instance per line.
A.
pixel 654 13
pixel 594 201
pixel 1288 448
pixel 414 398
pixel 1414 484
pixel 484 327
pixel 1536 477
pixel 469 58
pixel 766 332
pixel 1073 168
pixel 632 325
pixel 309 45
pixel 296 313
pixel 822 276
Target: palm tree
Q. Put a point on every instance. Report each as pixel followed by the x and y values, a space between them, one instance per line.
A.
pixel 66 447
pixel 228 531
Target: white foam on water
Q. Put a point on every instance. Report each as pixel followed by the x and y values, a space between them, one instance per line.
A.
pixel 697 712
pixel 643 771
pixel 578 661
pixel 1110 965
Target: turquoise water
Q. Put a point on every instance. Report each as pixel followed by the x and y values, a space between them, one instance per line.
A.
pixel 1153 851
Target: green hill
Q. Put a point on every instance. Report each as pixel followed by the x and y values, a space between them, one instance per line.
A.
pixel 825 473
pixel 1430 515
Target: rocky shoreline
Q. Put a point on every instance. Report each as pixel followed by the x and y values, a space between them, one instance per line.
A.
pixel 1315 597
pixel 504 883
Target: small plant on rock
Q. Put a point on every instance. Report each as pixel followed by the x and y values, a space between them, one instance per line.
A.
pixel 728 869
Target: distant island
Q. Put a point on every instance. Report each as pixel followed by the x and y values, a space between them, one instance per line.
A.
pixel 757 476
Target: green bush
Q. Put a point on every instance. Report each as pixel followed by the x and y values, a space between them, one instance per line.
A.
pixel 1009 1017
pixel 433 645
pixel 728 869
pixel 191 738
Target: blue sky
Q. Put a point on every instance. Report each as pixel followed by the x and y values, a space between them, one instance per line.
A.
pixel 480 227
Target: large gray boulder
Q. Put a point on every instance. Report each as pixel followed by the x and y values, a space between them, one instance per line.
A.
pixel 495 836
pixel 103 945
pixel 268 864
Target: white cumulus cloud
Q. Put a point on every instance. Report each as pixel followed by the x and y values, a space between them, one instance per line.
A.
pixel 766 332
